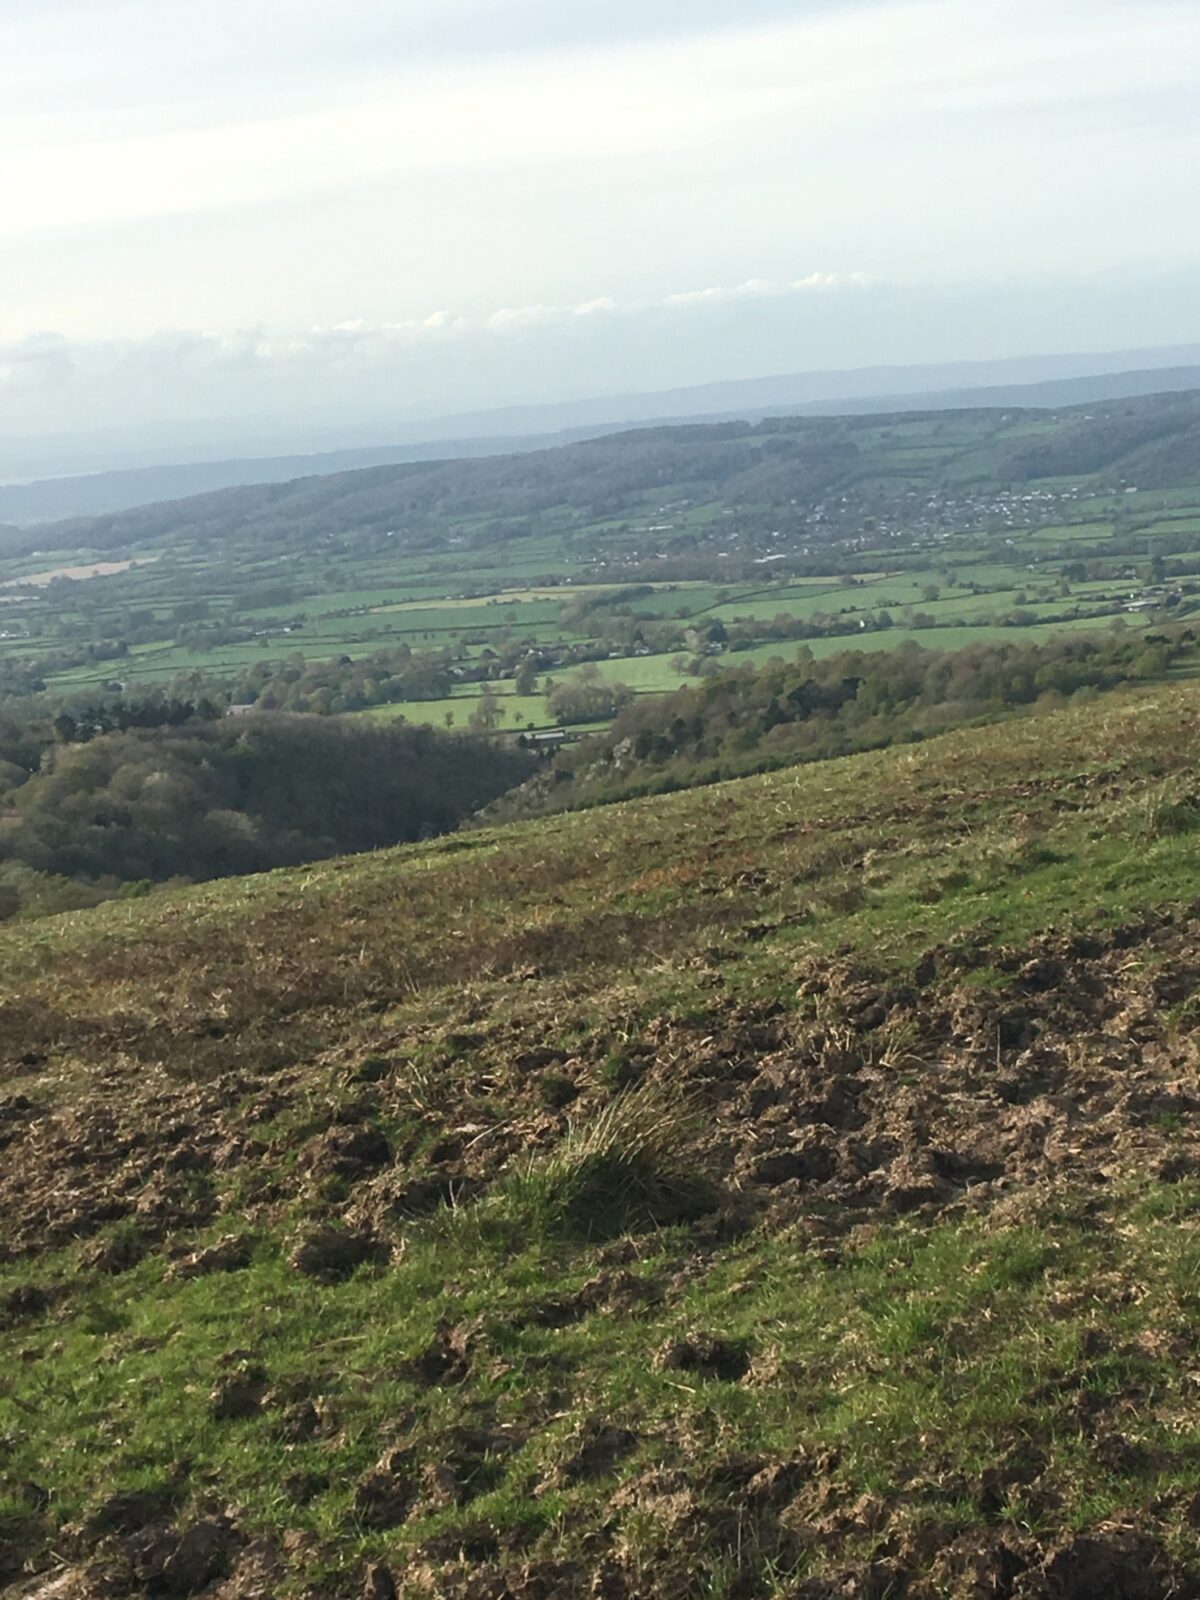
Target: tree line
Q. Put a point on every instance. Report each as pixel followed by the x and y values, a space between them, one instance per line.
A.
pixel 747 720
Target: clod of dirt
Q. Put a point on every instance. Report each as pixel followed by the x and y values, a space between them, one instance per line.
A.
pixel 348 1152
pixel 597 1448
pixel 331 1254
pixel 121 1252
pixel 238 1394
pixel 1177 1167
pixel 127 1511
pixel 201 1554
pixel 1113 1560
pixel 163 1562
pixel 231 1254
pixel 299 1422
pixel 372 1069
pixel 466 1466
pixel 176 1200
pixel 1040 974
pixel 418 1196
pixel 810 1160
pixel 541 1056
pixel 378 1584
pixel 302 1488
pixel 705 1356
pixel 473 1543
pixel 619 1293
pixel 385 1495
pixel 913 1181
pixel 16 1110
pixel 980 1565
pixel 446 1359
pixel 874 1580
pixel 25 1303
pixel 441 1487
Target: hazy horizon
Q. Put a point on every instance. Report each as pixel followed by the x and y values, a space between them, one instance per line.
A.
pixel 434 209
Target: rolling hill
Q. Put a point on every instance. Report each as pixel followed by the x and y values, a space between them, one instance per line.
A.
pixel 784 1188
pixel 776 463
pixel 81 477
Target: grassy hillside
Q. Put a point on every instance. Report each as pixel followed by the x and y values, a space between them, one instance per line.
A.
pixel 785 1188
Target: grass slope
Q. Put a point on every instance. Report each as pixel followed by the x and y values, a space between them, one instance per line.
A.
pixel 785 1188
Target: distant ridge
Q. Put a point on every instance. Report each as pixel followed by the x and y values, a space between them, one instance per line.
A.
pixel 101 493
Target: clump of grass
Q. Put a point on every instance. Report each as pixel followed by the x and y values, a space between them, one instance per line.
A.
pixel 1167 811
pixel 632 1166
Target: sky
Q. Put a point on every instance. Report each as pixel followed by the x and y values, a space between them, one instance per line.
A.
pixel 400 208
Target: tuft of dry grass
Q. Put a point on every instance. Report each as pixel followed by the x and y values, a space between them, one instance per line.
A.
pixel 631 1165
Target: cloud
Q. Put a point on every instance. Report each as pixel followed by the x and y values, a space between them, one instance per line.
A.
pixel 559 196
pixel 443 359
pixel 177 141
pixel 512 319
pixel 50 358
pixel 764 289
pixel 517 318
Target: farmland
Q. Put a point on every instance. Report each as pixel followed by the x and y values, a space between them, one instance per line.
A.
pixel 651 558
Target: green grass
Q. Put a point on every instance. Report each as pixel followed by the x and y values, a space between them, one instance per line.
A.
pixel 922 1352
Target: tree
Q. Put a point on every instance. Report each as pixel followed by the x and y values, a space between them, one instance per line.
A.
pixel 487 713
pixel 525 678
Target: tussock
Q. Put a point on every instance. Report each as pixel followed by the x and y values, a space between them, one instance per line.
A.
pixel 631 1166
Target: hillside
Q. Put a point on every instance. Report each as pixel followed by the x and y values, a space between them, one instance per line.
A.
pixel 784 1188
pixel 186 795
pixel 806 457
pixel 72 491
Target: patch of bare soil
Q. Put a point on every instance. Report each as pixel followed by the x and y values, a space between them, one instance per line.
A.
pixel 875 1099
pixel 909 1099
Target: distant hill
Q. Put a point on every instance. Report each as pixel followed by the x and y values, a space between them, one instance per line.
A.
pixel 872 391
pixel 98 493
pixel 778 462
